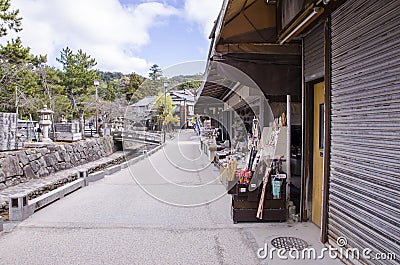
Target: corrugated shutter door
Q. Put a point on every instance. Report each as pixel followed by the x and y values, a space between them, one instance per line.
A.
pixel 364 188
pixel 314 54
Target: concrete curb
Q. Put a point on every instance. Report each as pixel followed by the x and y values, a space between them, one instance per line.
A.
pixel 20 209
pixel 112 170
pixel 126 164
pixel 93 177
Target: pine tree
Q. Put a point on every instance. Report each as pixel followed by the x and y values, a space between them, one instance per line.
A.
pixel 9 20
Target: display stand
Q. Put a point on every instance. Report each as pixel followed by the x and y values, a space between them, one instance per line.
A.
pixel 245 206
pixel 245 200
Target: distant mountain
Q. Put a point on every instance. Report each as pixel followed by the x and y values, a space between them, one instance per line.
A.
pixel 107 76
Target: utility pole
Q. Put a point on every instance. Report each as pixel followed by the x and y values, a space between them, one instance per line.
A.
pixel 96 84
pixel 16 101
pixel 165 109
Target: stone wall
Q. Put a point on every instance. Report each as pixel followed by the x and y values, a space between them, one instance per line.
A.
pixel 20 166
pixel 8 131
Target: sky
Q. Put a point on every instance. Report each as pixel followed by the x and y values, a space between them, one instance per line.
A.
pixel 122 35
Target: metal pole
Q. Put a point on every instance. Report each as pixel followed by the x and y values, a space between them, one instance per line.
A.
pixel 16 101
pixel 97 110
pixel 289 143
pixel 96 83
pixel 165 110
pixel 185 119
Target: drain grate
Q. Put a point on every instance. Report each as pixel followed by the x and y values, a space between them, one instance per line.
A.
pixel 289 243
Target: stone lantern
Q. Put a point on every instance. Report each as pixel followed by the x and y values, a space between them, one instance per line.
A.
pixel 45 123
pixel 63 119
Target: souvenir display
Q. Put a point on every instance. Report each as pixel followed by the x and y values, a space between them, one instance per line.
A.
pixel 276 187
pixel 258 191
pixel 260 209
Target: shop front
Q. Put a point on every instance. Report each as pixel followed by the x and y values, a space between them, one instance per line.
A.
pixel 257 85
pixel 335 64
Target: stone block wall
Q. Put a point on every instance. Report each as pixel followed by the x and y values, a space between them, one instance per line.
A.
pixel 8 131
pixel 20 166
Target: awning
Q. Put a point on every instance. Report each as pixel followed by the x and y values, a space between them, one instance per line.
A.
pixel 249 21
pixel 245 52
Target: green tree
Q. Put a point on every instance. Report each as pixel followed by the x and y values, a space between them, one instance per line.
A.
pixel 56 99
pixel 155 72
pixel 191 85
pixel 78 76
pixel 134 83
pixel 111 90
pixel 9 20
pixel 15 53
pixel 164 114
pixel 21 90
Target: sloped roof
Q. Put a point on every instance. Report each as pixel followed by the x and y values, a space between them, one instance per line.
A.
pixel 180 95
pixel 144 102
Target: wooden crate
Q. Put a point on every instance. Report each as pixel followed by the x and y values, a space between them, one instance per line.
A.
pixel 249 215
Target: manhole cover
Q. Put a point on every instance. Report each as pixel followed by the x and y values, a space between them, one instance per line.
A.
pixel 289 243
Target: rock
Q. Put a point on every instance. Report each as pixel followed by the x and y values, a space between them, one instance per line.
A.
pixel 30 152
pixel 2 176
pixel 32 157
pixel 28 172
pixel 61 154
pixel 23 159
pixel 78 148
pixel 11 167
pixel 51 148
pixel 67 158
pixel 50 160
pixel 42 162
pixel 57 166
pixel 12 182
pixel 2 186
pixel 44 151
pixel 51 170
pixel 43 172
pixel 58 157
pixel 35 165
pixel 62 165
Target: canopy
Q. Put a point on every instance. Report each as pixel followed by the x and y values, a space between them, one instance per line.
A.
pixel 245 51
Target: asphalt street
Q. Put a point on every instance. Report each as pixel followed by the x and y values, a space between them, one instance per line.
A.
pixel 167 209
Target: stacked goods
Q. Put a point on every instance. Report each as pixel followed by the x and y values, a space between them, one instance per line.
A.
pixel 266 202
pixel 8 131
pixel 259 188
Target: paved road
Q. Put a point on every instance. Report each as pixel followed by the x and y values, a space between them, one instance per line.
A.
pixel 143 215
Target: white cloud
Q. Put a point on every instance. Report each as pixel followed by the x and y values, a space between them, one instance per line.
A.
pixel 109 32
pixel 204 13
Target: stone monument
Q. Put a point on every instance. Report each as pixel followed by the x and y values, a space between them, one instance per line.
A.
pixel 45 123
pixel 44 126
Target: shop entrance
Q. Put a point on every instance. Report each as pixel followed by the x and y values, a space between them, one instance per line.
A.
pixel 318 153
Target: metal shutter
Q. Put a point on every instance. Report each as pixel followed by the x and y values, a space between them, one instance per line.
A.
pixel 364 189
pixel 314 54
